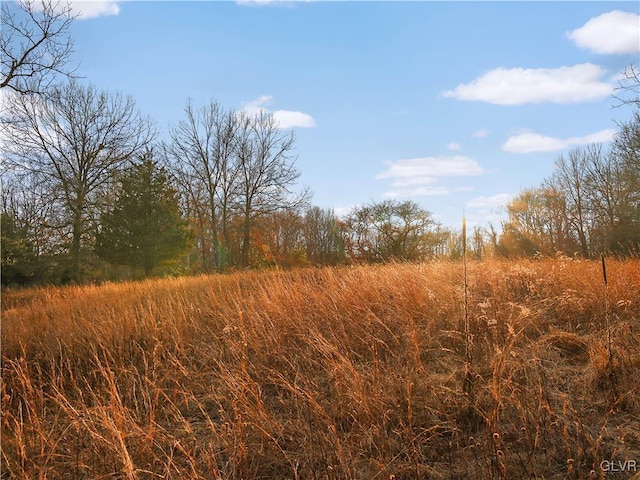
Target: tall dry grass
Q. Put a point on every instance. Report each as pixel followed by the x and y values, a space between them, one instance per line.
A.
pixel 337 373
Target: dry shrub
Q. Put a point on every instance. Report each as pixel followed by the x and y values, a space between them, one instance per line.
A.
pixel 325 373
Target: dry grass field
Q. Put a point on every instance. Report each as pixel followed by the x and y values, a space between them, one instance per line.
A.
pixel 335 373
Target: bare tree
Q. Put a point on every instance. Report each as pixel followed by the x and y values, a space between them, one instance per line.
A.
pixel 233 169
pixel 479 241
pixel 570 177
pixel 74 138
pixel 202 151
pixel 29 203
pixel 35 46
pixel 323 237
pixel 266 172
pixel 282 241
pixel 538 223
pixel 625 155
pixel 626 145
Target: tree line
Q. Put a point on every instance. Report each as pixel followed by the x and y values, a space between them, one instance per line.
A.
pixel 91 193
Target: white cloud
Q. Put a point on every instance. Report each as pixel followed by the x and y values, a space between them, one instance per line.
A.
pixel 432 167
pixel 93 9
pixel 517 86
pixel 422 176
pixel 482 133
pixel 285 118
pixel 257 106
pixel 289 119
pixel 497 200
pixel 529 142
pixel 454 146
pixel 85 9
pixel 615 32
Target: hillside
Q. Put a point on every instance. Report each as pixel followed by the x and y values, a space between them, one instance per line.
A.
pixel 359 372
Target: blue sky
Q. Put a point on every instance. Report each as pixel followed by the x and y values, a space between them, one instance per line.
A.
pixel 456 105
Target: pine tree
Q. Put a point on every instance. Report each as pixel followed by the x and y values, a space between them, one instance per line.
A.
pixel 16 252
pixel 145 227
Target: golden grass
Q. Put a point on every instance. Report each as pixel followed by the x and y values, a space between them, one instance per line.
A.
pixel 336 373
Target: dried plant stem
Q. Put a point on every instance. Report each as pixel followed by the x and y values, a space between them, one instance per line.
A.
pixel 608 326
pixel 606 306
pixel 467 334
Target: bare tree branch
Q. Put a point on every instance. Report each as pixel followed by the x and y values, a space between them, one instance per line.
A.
pixel 35 46
pixel 628 90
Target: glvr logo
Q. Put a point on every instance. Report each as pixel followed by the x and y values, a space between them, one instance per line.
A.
pixel 619 466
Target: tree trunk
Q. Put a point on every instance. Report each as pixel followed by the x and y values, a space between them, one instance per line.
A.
pixel 226 241
pixel 148 267
pixel 75 246
pixel 246 236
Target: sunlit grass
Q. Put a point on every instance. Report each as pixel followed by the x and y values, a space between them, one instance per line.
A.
pixel 326 373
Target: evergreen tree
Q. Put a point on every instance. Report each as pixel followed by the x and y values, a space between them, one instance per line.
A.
pixel 17 253
pixel 145 226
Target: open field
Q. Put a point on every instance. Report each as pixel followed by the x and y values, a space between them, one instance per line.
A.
pixel 337 373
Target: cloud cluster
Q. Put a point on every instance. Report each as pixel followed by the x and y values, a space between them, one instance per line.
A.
pixel 421 176
pixel 529 142
pixel 285 118
pixel 93 9
pixel 517 86
pixel 613 33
